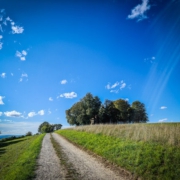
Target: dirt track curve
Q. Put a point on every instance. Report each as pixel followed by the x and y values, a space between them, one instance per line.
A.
pixel 82 164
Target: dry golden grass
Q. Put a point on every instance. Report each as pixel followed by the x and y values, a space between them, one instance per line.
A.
pixel 165 133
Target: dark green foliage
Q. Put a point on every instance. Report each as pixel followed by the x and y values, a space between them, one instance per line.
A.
pixel 29 133
pixel 139 112
pixel 81 112
pixel 119 111
pixel 45 127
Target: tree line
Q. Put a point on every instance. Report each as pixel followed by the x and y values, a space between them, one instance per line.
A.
pixel 46 127
pixel 90 108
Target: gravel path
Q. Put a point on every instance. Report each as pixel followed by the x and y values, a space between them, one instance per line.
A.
pixel 49 167
pixel 87 166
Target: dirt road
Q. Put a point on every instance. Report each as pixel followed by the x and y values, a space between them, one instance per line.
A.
pixel 83 165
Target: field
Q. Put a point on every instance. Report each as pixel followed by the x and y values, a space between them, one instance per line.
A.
pixel 18 157
pixel 149 151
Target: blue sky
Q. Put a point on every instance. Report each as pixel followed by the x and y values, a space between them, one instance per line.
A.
pixel 54 52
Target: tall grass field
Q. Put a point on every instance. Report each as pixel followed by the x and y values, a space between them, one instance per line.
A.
pixel 148 151
pixel 18 157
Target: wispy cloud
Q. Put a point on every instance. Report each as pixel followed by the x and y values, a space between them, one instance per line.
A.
pixel 12 114
pixel 1 113
pixel 1 44
pixel 163 107
pixel 123 85
pixel 150 59
pixel 41 112
pixel 50 99
pixel 63 81
pixel 1 100
pixel 49 112
pixel 22 55
pixel 68 95
pixel 116 86
pixel 139 11
pixel 16 29
pixel 23 75
pixel 163 120
pixel 3 75
pixel 31 114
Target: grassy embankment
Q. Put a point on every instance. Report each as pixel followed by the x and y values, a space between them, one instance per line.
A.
pixel 18 157
pixel 149 151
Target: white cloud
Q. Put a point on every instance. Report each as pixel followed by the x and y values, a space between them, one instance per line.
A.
pixel 16 29
pixel 163 120
pixel 3 75
pixel 8 19
pixel 41 112
pixel 64 81
pixel 163 107
pixel 22 55
pixel 21 79
pixel 116 86
pixel 1 113
pixel 24 52
pixel 49 112
pixel 139 11
pixel 123 85
pixel 108 86
pixel 24 75
pixel 31 114
pixel 114 91
pixel 69 95
pixel 1 36
pixel 22 58
pixel 50 99
pixel 12 114
pixel 150 59
pixel 1 100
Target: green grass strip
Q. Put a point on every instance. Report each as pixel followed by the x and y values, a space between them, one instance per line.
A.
pixel 149 161
pixel 18 157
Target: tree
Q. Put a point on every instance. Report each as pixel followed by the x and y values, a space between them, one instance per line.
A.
pixel 123 107
pixel 81 112
pixel 108 113
pixel 139 112
pixel 29 133
pixel 45 127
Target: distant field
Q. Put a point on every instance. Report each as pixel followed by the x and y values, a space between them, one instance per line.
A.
pixel 149 151
pixel 18 157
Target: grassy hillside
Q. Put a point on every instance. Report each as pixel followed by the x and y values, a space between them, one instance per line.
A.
pixel 149 151
pixel 18 157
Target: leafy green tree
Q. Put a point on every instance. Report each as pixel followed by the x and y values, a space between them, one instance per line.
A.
pixel 123 107
pixel 81 112
pixel 45 127
pixel 139 112
pixel 29 133
pixel 108 113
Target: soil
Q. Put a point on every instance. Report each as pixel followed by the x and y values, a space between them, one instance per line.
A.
pixel 78 162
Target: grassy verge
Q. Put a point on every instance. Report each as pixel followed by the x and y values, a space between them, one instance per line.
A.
pixel 71 173
pixel 148 160
pixel 18 157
